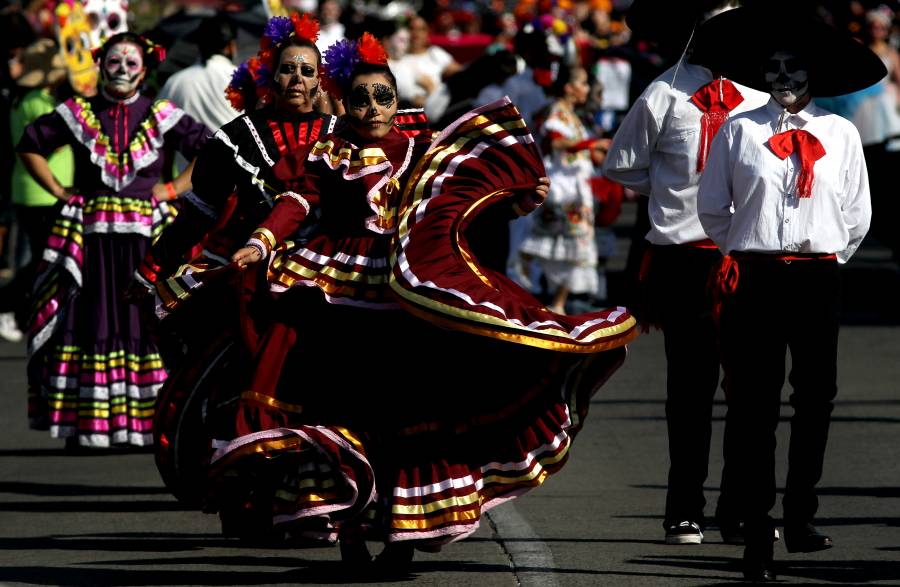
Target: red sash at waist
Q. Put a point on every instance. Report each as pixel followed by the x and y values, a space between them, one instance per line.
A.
pixel 727 275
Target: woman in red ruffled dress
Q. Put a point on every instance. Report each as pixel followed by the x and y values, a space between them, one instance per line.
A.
pixel 403 388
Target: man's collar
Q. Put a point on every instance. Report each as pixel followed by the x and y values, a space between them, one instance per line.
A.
pixel 798 119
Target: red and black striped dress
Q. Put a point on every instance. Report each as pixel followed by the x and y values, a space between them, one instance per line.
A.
pixel 234 188
pixel 460 392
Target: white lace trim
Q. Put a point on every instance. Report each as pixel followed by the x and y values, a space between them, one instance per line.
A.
pixel 155 142
pixel 259 143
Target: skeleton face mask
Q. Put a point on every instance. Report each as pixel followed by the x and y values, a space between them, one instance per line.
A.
pixel 107 18
pixel 75 44
pixel 788 76
pixel 123 70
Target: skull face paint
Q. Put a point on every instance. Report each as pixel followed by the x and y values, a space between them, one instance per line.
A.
pixel 382 94
pixel 371 105
pixel 296 79
pixel 788 76
pixel 123 70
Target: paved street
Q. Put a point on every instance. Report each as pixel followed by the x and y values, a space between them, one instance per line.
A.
pixel 108 520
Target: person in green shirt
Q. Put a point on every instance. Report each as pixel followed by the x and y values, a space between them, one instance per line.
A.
pixel 41 86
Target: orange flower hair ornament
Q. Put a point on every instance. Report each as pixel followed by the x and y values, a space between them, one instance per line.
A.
pixel 252 82
pixel 342 57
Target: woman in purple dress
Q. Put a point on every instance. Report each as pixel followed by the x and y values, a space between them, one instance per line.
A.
pixel 93 372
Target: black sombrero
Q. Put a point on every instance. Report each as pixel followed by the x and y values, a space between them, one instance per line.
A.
pixel 737 43
pixel 667 22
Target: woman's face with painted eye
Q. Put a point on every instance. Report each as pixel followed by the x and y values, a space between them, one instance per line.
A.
pixel 296 79
pixel 123 70
pixel 371 105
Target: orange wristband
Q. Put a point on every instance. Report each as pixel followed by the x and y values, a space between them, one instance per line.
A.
pixel 170 190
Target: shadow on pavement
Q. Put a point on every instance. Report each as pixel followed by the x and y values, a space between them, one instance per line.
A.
pixel 893 492
pixel 837 571
pixel 318 572
pixel 133 506
pixel 120 542
pixel 28 488
pixel 786 418
pixel 76 452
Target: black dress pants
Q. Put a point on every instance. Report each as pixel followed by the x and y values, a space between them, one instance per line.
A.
pixel 777 307
pixel 680 303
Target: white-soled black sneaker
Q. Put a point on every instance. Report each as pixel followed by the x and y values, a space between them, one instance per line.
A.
pixel 685 532
pixel 8 328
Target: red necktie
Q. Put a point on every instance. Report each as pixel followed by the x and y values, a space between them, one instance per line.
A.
pixel 807 147
pixel 716 99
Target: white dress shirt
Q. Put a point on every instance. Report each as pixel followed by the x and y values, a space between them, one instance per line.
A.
pixel 199 90
pixel 654 152
pixel 748 196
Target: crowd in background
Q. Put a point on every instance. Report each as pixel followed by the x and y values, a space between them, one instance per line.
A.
pixel 448 56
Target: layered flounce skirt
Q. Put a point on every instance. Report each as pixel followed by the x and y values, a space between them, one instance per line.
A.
pixel 409 424
pixel 93 372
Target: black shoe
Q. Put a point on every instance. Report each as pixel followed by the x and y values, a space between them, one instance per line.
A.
pixel 733 533
pixel 685 532
pixel 354 553
pixel 395 559
pixel 758 566
pixel 805 538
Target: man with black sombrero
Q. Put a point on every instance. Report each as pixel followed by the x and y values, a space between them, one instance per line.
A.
pixel 660 150
pixel 785 195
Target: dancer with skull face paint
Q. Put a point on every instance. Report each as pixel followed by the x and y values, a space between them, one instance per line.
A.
pixel 417 465
pixel 785 195
pixel 234 183
pixel 234 188
pixel 93 371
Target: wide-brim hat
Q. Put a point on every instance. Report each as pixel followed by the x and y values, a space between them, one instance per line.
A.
pixel 43 65
pixel 738 42
pixel 667 22
pixel 215 29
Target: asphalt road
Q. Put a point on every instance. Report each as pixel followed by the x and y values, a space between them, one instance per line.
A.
pixel 106 518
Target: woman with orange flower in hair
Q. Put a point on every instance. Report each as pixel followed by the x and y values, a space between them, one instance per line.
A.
pixel 403 388
pixel 233 183
pixel 93 370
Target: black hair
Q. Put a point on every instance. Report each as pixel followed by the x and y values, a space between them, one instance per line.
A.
pixel 151 59
pixel 295 41
pixel 564 76
pixel 363 68
pixel 213 35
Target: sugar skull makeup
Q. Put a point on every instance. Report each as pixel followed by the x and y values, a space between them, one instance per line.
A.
pixel 297 78
pixel 381 94
pixel 123 69
pixel 371 105
pixel 297 65
pixel 788 77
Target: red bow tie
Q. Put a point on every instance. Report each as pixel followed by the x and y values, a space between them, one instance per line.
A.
pixel 807 147
pixel 716 99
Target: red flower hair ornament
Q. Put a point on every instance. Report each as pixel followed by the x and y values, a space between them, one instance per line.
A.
pixel 342 57
pixel 252 82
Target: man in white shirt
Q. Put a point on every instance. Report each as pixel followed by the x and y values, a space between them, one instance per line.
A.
pixel 660 150
pixel 785 195
pixel 200 89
